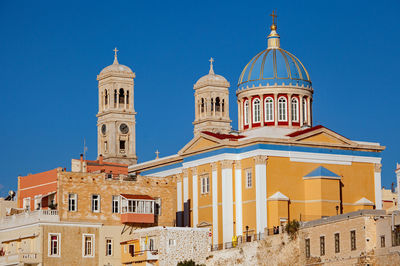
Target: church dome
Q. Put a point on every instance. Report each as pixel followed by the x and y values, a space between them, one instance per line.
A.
pixel 274 66
pixel 211 79
pixel 116 67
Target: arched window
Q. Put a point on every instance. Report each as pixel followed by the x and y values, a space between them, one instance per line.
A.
pixel 105 97
pixel 212 104
pixel 127 97
pixel 256 111
pixel 121 96
pixel 295 110
pixel 282 108
pixel 202 105
pixel 304 110
pixel 223 106
pixel 269 109
pixel 217 104
pixel 246 112
pixel 115 96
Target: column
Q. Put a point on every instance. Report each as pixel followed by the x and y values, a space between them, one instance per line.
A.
pixel 109 99
pixel 195 198
pixel 238 198
pixel 117 99
pixel 290 109
pixel 262 109
pixel 378 187
pixel 261 192
pixel 276 108
pixel 227 200
pixel 126 92
pixel 309 111
pixel 179 205
pixel 301 110
pixel 214 185
pixel 185 185
pixel 250 112
pixel 240 114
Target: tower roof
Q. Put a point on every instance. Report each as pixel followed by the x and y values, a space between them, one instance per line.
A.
pixel 116 67
pixel 211 79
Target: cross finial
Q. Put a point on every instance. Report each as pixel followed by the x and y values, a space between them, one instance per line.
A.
pixel 273 15
pixel 115 55
pixel 211 66
pixel 157 153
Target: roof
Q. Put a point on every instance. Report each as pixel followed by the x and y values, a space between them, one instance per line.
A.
pixel 322 172
pixel 223 136
pixel 303 131
pixel 97 163
pixel 130 196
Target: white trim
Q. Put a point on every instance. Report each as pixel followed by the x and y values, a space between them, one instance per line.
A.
pixel 322 177
pixel 286 109
pixel 296 109
pixel 215 206
pixel 169 172
pixel 179 196
pixel 261 196
pixel 227 205
pixel 112 247
pixel 50 223
pixel 58 245
pixel 278 196
pixel 253 109
pixel 378 190
pixel 84 246
pixel 195 201
pixel 238 199
pixel 272 109
pixel 38 185
pixel 246 112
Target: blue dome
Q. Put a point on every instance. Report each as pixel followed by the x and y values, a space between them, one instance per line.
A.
pixel 274 65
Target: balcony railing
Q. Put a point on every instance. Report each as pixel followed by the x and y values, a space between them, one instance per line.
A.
pixel 29 217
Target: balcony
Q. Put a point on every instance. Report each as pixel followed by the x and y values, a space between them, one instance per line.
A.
pixel 137 209
pixel 21 258
pixel 29 217
pixel 137 218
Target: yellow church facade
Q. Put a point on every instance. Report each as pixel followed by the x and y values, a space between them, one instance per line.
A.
pixel 277 167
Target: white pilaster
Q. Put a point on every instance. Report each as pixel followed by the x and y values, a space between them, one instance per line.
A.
pixel 238 198
pixel 179 196
pixel 378 186
pixel 185 189
pixel 215 203
pixel 261 193
pixel 227 201
pixel 195 199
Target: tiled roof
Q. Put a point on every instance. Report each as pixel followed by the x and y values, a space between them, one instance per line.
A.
pixel 223 136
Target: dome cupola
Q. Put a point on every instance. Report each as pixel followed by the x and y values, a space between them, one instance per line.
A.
pixel 274 88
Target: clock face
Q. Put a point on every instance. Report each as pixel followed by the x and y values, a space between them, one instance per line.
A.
pixel 124 128
pixel 103 129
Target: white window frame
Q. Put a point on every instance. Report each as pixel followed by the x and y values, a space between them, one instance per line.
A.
pixel 98 205
pixel 269 109
pixel 26 204
pixel 256 110
pixel 295 109
pixel 84 246
pixel 109 247
pixel 205 184
pixel 49 246
pixel 246 112
pixel 249 178
pixel 38 202
pixel 115 199
pixel 171 242
pixel 305 111
pixel 282 109
pixel 70 200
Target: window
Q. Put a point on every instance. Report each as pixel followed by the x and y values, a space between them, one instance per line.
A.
pixel 95 203
pixel 157 206
pixel 322 245
pixel 72 202
pixel 132 250
pixel 223 106
pixel 353 239
pixel 127 97
pixel 27 203
pixel 122 144
pixel 256 111
pixel 217 104
pixel 396 236
pixel 304 110
pixel 115 96
pixel 38 200
pixel 121 96
pixel 246 112
pixel 105 97
pixel 282 108
pixel 202 105
pixel 108 247
pixel 249 181
pixel 337 243
pixel 137 206
pixel 172 242
pixel 269 109
pixel 383 244
pixel 115 204
pixel 151 244
pixel 54 244
pixel 295 110
pixel 212 104
pixel 307 248
pixel 88 245
pixel 105 146
pixel 205 185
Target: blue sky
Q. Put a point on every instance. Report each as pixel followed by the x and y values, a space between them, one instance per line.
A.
pixel 52 51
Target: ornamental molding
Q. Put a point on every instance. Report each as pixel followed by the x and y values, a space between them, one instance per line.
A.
pixel 377 167
pixel 194 170
pixel 214 166
pixel 238 164
pixel 226 164
pixel 260 159
pixel 273 90
pixel 185 172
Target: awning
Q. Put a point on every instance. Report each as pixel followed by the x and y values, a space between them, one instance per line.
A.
pixel 130 196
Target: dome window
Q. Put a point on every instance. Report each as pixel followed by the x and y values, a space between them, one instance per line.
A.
pixel 121 96
pixel 105 97
pixel 202 105
pixel 282 107
pixel 269 109
pixel 217 104
pixel 246 112
pixel 295 110
pixel 256 111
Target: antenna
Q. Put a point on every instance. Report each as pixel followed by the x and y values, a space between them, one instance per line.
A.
pixel 84 149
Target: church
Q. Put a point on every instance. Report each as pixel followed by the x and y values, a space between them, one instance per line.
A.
pixel 277 166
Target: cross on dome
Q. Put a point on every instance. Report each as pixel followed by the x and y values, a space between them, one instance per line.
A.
pixel 115 55
pixel 211 66
pixel 157 153
pixel 273 15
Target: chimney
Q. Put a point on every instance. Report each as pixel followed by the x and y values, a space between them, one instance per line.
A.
pixel 101 159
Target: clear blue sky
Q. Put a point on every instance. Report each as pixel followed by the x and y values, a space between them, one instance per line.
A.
pixel 52 51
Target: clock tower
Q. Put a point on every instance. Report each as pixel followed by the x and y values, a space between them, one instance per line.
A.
pixel 116 116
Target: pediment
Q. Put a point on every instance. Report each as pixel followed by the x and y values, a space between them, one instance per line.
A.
pixel 199 143
pixel 204 224
pixel 323 136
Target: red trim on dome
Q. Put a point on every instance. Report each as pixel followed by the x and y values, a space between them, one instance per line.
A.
pixel 223 136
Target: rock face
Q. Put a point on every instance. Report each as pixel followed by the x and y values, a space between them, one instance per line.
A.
pixel 275 250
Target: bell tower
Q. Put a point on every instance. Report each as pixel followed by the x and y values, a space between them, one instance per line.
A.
pixel 116 137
